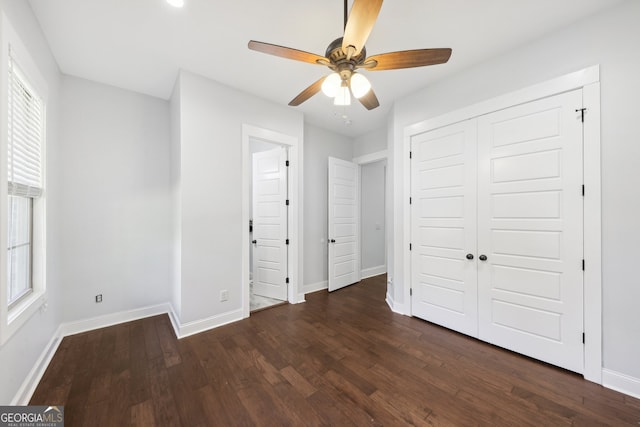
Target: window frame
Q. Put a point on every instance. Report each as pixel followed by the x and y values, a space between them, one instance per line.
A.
pixel 14 316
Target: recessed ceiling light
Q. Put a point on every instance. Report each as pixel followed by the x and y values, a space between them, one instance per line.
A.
pixel 176 3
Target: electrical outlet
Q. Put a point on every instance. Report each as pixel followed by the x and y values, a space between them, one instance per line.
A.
pixel 224 295
pixel 99 298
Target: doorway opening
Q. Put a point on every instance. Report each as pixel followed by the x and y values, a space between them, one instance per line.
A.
pixel 373 236
pixel 276 225
pixel 357 214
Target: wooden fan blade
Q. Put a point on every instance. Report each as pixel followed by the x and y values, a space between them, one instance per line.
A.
pixel 307 93
pixel 362 17
pixel 369 100
pixel 287 52
pixel 408 59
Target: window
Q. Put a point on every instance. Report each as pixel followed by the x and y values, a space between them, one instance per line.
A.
pixel 24 179
pixel 22 184
pixel 24 155
pixel 19 257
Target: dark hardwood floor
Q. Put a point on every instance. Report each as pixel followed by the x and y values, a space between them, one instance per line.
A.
pixel 340 359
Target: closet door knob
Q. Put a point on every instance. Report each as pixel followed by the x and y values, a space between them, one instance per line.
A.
pixel 482 257
pixel 469 256
pixel 332 240
pixel 255 242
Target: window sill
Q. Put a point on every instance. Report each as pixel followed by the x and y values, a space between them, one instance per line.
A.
pixel 21 313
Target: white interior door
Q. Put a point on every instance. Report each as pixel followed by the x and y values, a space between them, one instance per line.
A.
pixel 443 224
pixel 270 223
pixel 343 224
pixel 530 229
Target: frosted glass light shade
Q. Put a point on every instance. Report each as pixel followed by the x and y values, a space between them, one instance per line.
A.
pixel 176 3
pixel 343 97
pixel 331 84
pixel 359 85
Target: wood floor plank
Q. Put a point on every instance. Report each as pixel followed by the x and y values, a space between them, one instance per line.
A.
pixel 339 359
pixel 142 414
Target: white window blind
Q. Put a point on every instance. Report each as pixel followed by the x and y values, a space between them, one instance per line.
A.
pixel 25 126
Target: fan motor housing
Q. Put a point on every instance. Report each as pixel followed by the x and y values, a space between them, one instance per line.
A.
pixel 343 66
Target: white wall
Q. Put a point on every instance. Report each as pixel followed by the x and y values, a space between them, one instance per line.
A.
pixel 19 355
pixel 211 122
pixel 320 144
pixel 370 142
pixel 611 40
pixel 116 230
pixel 372 226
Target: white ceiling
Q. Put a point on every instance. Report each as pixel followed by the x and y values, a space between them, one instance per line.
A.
pixel 141 44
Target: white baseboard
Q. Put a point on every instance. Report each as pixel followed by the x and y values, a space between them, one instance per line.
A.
pixel 72 328
pixel 373 271
pixel 190 328
pixel 315 287
pixel 23 396
pixel 389 301
pixel 394 306
pixel 621 382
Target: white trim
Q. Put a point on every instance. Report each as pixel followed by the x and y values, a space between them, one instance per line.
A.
pixel 394 306
pixel 77 327
pixel 555 86
pixel 295 213
pixel 587 79
pixel 621 382
pixel 370 158
pixel 202 325
pixel 592 235
pixel 315 287
pixel 24 393
pixel 373 271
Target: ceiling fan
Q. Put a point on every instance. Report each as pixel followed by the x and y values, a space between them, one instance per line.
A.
pixel 346 54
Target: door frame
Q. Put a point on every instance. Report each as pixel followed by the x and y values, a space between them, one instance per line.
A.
pixel 587 79
pixel 295 208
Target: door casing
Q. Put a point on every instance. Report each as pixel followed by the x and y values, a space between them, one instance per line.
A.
pixel 295 293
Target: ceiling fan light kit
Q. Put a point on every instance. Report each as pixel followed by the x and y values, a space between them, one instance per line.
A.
pixel 359 85
pixel 343 97
pixel 347 54
pixel 331 85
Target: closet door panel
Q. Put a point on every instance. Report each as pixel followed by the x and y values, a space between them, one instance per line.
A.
pixel 530 294
pixel 443 212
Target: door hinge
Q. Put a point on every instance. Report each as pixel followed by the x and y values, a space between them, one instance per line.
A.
pixel 582 265
pixel 286 241
pixel 581 110
pixel 410 200
pixel 583 190
pixel 286 163
pixel 583 338
pixel 410 291
pixel 287 202
pixel 410 154
pixel 410 246
pixel 286 280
